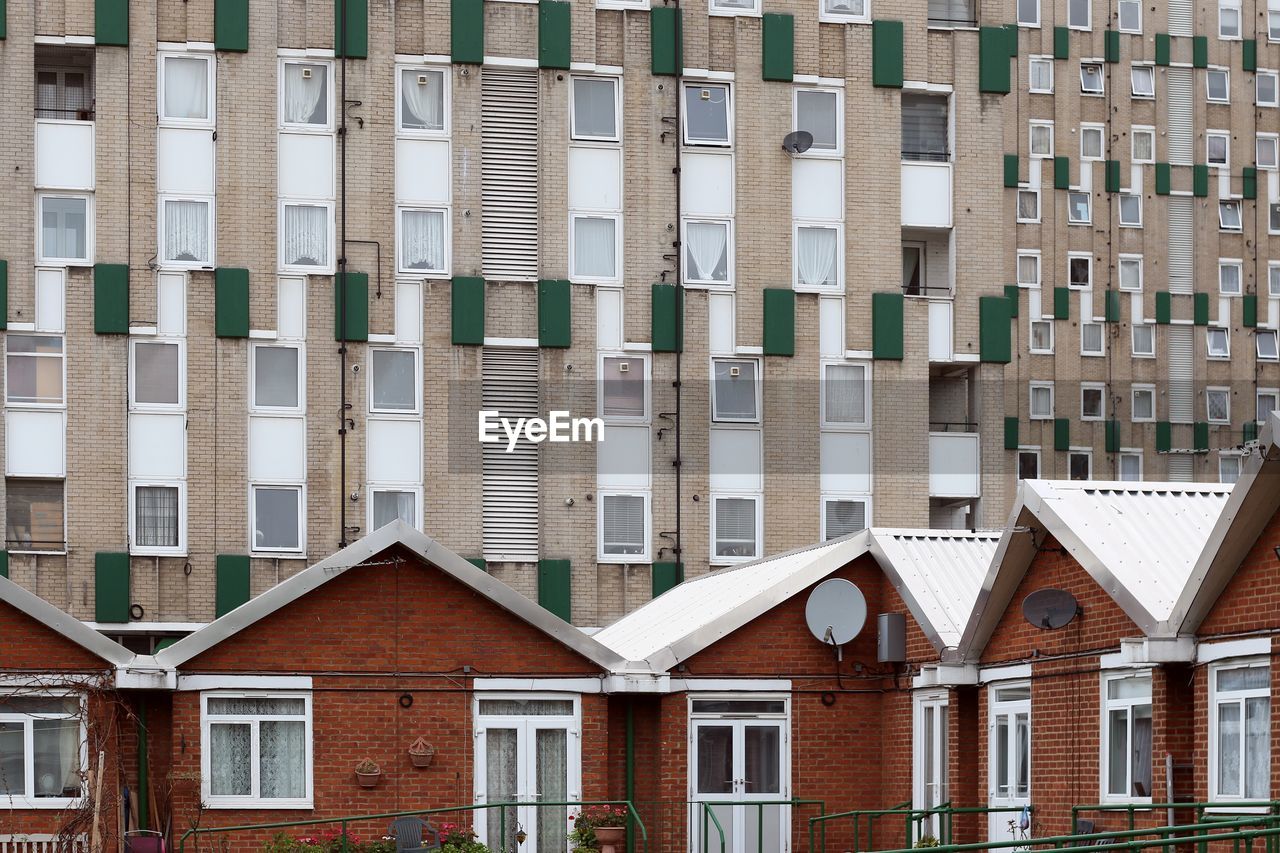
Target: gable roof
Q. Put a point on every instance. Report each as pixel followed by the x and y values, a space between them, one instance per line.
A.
pixel 351 557
pixel 63 623
pixel 1138 541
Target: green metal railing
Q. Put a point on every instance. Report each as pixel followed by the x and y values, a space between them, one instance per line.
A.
pixel 707 808
pixel 913 819
pixel 1201 808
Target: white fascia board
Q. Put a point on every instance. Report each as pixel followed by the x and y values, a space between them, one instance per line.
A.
pixel 1242 648
pixel 243 682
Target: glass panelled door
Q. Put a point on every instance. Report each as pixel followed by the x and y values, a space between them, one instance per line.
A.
pixel 930 784
pixel 527 752
pixel 1009 755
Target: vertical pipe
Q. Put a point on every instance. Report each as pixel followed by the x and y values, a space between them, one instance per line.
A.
pixel 342 300
pixel 679 54
pixel 144 813
pixel 1168 783
pixel 631 774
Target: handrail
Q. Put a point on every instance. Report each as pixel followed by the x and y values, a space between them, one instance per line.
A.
pixel 708 808
pixel 1200 808
pixel 944 810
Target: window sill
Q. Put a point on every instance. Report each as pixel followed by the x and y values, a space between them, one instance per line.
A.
pixel 732 13
pixel 62 553
pixel 270 804
pixel 148 552
pixel 40 803
pixel 833 19
pixel 696 285
pixel 612 560
pixel 276 555
pixel 837 290
pixel 312 129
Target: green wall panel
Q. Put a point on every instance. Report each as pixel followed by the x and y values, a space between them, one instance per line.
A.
pixel 356 43
pixel 1250 432
pixel 555 314
pixel 4 292
pixel 231 25
pixel 1010 432
pixel 1249 55
pixel 1201 310
pixel 110 587
pixel 553 34
pixel 778 47
pixel 1113 436
pixel 4 33
pixel 993 60
pixel 1061 43
pixel 232 584
pixel 1061 303
pixel 665 40
pixel 1201 435
pixel 993 330
pixel 1164 178
pixel 1249 184
pixel 111 299
pixel 111 22
pixel 1200 51
pixel 4 564
pixel 1164 307
pixel 357 305
pixel 231 302
pixel 1164 436
pixel 466 31
pixel 779 321
pixel 1164 49
pixel 1011 33
pixel 1113 176
pixel 1061 433
pixel 1062 173
pixel 1111 47
pixel 1200 182
pixel 466 304
pixel 1011 169
pixel 666 320
pixel 1249 310
pixel 554 587
pixel 666 576
pixel 1112 309
pixel 479 563
pixel 886 54
pixel 886 326
pixel 1014 294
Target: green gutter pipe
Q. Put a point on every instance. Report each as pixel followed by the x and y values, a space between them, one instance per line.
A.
pixel 631 770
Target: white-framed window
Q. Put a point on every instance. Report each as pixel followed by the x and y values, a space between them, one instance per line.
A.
pixel 422 101
pixel 1029 463
pixel 255 750
pixel 1229 19
pixel 1218 85
pixel 1029 13
pixel 1217 147
pixel 1240 730
pixel 1273 280
pixel 844 515
pixel 1093 401
pixel 1079 270
pixel 35 370
pixel 306 236
pixel 1131 210
pixel 1229 218
pixel 1217 404
pixel 624 388
pixel 1142 403
pixel 1266 88
pixel 734 7
pixel 1040 75
pixel 65 235
pixel 35 515
pixel 275 378
pixel 595 114
pixel 708 251
pixel 1142 81
pixel 926 127
pixel 1131 466
pixel 1273 20
pixel 422 238
pixel 1143 144
pixel 276 512
pixel 186 89
pixel 1028 268
pixel 842 11
pixel 389 503
pixel 708 113
pixel 624 527
pixel 157 517
pixel 1041 401
pixel 1028 205
pixel 1265 150
pixel 736 524
pixel 1092 340
pixel 1130 16
pixel 1091 145
pixel 1126 732
pixel 1229 467
pixel 1266 344
pixel 1218 342
pixel 43 750
pixel 1079 14
pixel 306 94
pixel 394 387
pixel 1009 763
pixel 1079 208
pixel 1273 218
pixel 846 395
pixel 1229 276
pixel 820 112
pixel 1131 272
pixel 157 374
pixel 1041 139
pixel 1080 464
pixel 1144 340
pixel 818 256
pixel 930 780
pixel 1041 337
pixel 186 232
pixel 735 390
pixel 1092 81
pixel 1268 402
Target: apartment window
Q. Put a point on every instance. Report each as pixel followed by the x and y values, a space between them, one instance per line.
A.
pixel 156 377
pixel 64 83
pixel 1090 142
pixel 1218 148
pixel 256 750
pixel 844 395
pixel 1268 402
pixel 924 128
pixel 1080 271
pixel 304 95
pixel 1217 83
pixel 394 504
pixel 1028 205
pixel 1228 467
pixel 187 231
pixel 1078 212
pixel 1144 340
pixel 624 522
pixel 1091 80
pixel 422 100
pixel 1131 210
pixel 1130 273
pixel 157 518
pixel 817 257
pixel 623 387
pixel 277 518
pixel 1130 16
pixel 1267 83
pixel 277 377
pixel 1229 215
pixel 595 109
pixel 842 516
pixel 1041 139
pixel 1041 336
pixel 1229 278
pixel 1265 151
pixel 1028 464
pixel 1219 343
pixel 305 237
pixel 1218 405
pixel 1126 735
pixel 1041 401
pixel 734 7
pixel 1240 731
pixel 1041 72
pixel 841 11
pixel 35 517
pixel 1028 269
pixel 1142 81
pixel 736 525
pixel 34 370
pixel 818 112
pixel 66 229
pixel 1273 219
pixel 1029 13
pixel 1273 20
pixel 913 266
pixel 735 390
pixel 595 248
pixel 422 240
pixel 1273 280
pixel 707 252
pixel 1091 340
pixel 952 13
pixel 1131 467
pixel 1080 465
pixel 186 89
pixel 1143 403
pixel 1079 14
pixel 393 384
pixel 1229 19
pixel 708 116
pixel 41 755
pixel 1265 341
pixel 1093 405
pixel 1143 147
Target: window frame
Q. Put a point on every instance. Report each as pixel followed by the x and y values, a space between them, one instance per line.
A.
pixel 257 408
pixel 727 85
pixel 1017 13
pixel 1102 336
pixel 835 497
pixel 1101 388
pixel 28 800
pixel 716 497
pixel 1033 452
pixel 1209 393
pixel 616 83
pixel 728 223
pixel 1034 350
pixel 1136 4
pixel 446 94
pixel 1028 254
pixel 1226 336
pixel 1208 85
pixel 179 550
pixel 254 800
pixel 646 378
pixel 846 426
pixel 1085 452
pixel 1120 204
pixel 61 356
pixel 838 150
pixel 1236 459
pixel 826 16
pixel 1129 259
pixel 382 488
pixel 1044 62
pixel 301 549
pixel 1034 192
pixel 1228 204
pixel 181 344
pixel 716 417
pixel 1239 697
pixel 1100 131
pixel 1273 393
pixel 211 95
pixel 416 353
pixel 1225 136
pixel 1129 705
pixel 1134 391
pixel 714 12
pixel 1088 24
pixel 1032 388
pixel 1070 208
pixel 211 231
pixel 1101 91
pixel 1273 279
pixel 1150 70
pixel 1032 126
pixel 1133 339
pixel 1235 5
pixel 446 231
pixel 1273 142
pixel 1079 256
pixel 1275 87
pixel 298 127
pixel 1145 130
pixel 330 226
pixel 828 225
pixel 1129 454
pixel 1228 264
pixel 1258 334
pixel 52 261
pixel 18 548
pixel 646 554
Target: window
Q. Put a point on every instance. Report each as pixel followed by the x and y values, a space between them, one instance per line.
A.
pixel 1091 340
pixel 623 388
pixel 595 248
pixel 1144 145
pixel 393 381
pixel 157 518
pixel 1268 402
pixel 1090 142
pixel 707 114
pixel 1093 406
pixel 1041 401
pixel 186 89
pixel 1142 403
pixel 1130 273
pixel 1219 343
pixel 708 251
pixel 1144 340
pixel 1229 215
pixel 1078 212
pixel 1240 731
pixel 42 755
pixel 256 750
pixel 1028 205
pixel 394 504
pixel 913 268
pixel 1041 76
pixel 1080 271
pixel 1131 210
pixel 735 391
pixel 1091 80
pixel 277 377
pixel 1229 19
pixel 66 229
pixel 1265 340
pixel 817 257
pixel 1126 734
pixel 1267 84
pixel 952 13
pixel 1217 82
pixel 1130 16
pixel 34 370
pixel 1009 763
pixel 1273 280
pixel 186 231
pixel 842 516
pixel 306 237
pixel 624 528
pixel 1028 464
pixel 844 395
pixel 840 11
pixel 1265 151
pixel 277 518
pixel 924 128
pixel 304 95
pixel 64 82
pixel 595 109
pixel 1273 219
pixel 1218 148
pixel 422 100
pixel 1041 139
pixel 423 239
pixel 1079 14
pixel 1229 278
pixel 1143 81
pixel 1080 465
pixel 34 515
pixel 1042 336
pixel 156 377
pixel 734 7
pixel 1228 467
pixel 1131 467
pixel 818 112
pixel 736 525
pixel 1029 14
pixel 1273 20
pixel 1029 269
pixel 1218 405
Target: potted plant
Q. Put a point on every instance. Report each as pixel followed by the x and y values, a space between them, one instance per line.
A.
pixel 927 841
pixel 421 753
pixel 604 825
pixel 367 773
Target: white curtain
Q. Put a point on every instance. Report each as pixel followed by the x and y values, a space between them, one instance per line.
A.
pixel 816 256
pixel 551 748
pixel 282 758
pixel 388 506
pixel 1257 746
pixel 422 240
pixel 229 760
pixel 707 242
pixel 594 247
pixel 500 785
pixel 1142 751
pixel 845 394
pixel 186 88
pixel 302 94
pixel 422 104
pixel 306 235
pixel 157 516
pixel 186 231
pixel 57 757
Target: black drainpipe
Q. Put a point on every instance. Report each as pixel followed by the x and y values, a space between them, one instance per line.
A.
pixel 342 291
pixel 679 245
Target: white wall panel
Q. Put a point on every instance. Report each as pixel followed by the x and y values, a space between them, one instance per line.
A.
pixel 595 178
pixel 65 155
pixel 926 194
pixel 171 296
pixel 706 184
pixel 940 343
pixel 817 189
pixel 184 161
pixel 306 165
pixel 608 318
pixel 395 451
pixel 277 449
pixel 622 459
pixel 35 443
pixel 736 461
pixel 157 446
pixel 409 312
pixel 846 462
pixel 50 300
pixel 721 323
pixel 831 326
pixel 423 172
pixel 291 307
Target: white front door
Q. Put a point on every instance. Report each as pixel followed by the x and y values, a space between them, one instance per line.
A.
pixel 1009 758
pixel 528 751
pixel 930 771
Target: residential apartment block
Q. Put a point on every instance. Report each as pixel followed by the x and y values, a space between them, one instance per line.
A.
pixel 813 265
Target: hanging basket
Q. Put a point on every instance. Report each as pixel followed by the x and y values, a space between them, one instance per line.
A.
pixel 421 753
pixel 368 773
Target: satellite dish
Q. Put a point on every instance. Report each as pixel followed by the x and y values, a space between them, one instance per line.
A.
pixel 835 612
pixel 1050 608
pixel 797 142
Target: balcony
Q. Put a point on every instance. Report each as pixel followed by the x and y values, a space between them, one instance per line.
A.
pixel 955 460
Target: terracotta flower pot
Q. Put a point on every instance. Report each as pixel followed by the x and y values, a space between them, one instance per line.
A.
pixel 611 838
pixel 368 780
pixel 422 759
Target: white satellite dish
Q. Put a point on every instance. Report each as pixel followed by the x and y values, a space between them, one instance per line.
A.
pixel 835 612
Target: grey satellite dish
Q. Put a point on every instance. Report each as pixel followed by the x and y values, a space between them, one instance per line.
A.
pixel 797 142
pixel 835 612
pixel 1050 608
